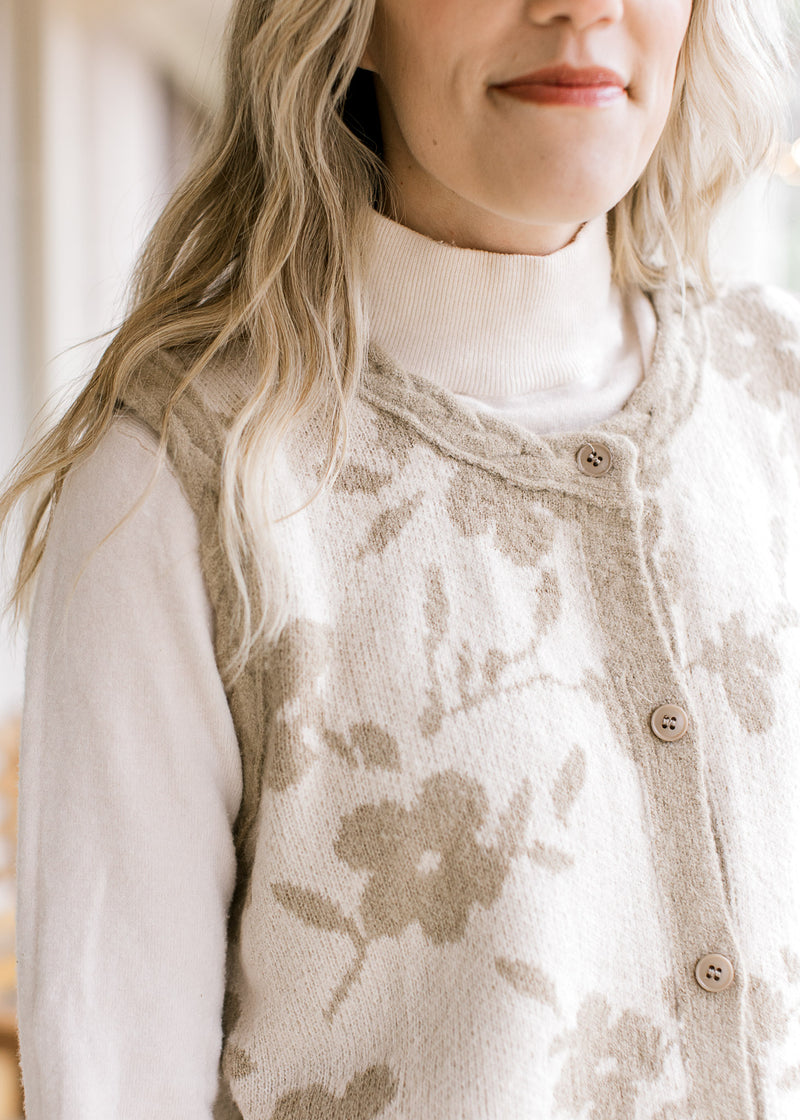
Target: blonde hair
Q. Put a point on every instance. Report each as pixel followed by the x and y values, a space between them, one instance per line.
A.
pixel 262 244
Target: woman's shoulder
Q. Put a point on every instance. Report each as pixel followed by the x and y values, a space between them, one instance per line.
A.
pixel 111 482
pixel 211 388
pixel 121 463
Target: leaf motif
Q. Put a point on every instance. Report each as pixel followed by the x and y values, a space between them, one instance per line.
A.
pixel 377 747
pixel 464 671
pixel 359 478
pixel 514 821
pixel 551 858
pixel 792 962
pixel 569 782
pixel 388 525
pixel 365 1098
pixel 238 1063
pixel 369 1093
pixel 340 745
pixel 431 716
pixel 493 665
pixel 314 909
pixel 436 607
pixel 528 980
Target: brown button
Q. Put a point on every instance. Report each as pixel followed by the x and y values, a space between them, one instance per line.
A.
pixel 714 972
pixel 669 722
pixel 594 459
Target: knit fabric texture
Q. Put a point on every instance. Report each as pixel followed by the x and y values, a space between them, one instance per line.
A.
pixel 473 883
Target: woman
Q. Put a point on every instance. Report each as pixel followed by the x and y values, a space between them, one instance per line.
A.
pixel 422 744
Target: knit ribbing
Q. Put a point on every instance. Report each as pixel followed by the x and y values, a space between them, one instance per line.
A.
pixel 493 325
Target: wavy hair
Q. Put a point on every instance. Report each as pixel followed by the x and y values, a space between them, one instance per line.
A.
pixel 262 243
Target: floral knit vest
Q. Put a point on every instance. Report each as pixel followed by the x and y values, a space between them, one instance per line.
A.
pixel 520 830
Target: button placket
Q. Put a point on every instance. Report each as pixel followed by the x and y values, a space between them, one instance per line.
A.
pixel 617 542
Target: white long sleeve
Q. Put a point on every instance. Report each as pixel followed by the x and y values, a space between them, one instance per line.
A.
pixel 129 783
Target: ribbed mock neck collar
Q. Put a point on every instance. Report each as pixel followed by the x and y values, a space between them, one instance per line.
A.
pixel 493 324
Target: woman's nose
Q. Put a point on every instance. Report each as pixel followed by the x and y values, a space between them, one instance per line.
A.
pixel 581 13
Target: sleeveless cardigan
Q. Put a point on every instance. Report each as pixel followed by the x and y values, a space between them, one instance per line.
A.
pixel 477 879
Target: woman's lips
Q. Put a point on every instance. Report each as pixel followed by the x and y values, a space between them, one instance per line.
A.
pixel 565 85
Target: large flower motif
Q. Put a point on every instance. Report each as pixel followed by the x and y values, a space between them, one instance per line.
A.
pixel 426 864
pixel 608 1063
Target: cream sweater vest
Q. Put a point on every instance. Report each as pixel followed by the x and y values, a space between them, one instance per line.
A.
pixel 474 878
pixel 478 874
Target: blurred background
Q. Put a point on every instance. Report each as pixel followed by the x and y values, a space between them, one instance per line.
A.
pixel 101 105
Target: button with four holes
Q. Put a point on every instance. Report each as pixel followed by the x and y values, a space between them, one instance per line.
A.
pixel 714 972
pixel 594 459
pixel 669 722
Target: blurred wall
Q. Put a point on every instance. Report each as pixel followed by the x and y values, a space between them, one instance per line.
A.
pixel 100 105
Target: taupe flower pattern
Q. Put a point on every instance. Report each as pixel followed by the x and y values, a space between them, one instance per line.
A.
pixel 772 1010
pixel 365 1097
pixel 633 1048
pixel 606 1062
pixel 745 662
pixel 769 373
pixel 477 503
pixel 425 865
pixel 367 743
pixel 297 660
pixel 528 980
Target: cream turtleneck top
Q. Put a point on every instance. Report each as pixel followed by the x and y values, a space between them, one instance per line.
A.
pixel 547 341
pixel 120 1003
